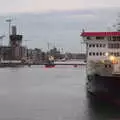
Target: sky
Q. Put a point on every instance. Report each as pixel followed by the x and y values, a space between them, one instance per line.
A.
pixel 59 22
pixel 51 5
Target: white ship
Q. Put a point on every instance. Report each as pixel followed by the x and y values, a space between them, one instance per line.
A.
pixel 103 63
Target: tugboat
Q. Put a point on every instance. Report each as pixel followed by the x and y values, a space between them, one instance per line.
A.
pixel 103 64
pixel 50 62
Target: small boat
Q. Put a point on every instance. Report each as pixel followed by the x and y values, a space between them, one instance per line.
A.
pixel 49 66
pixel 50 62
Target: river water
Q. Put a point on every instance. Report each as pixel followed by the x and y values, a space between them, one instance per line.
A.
pixel 38 93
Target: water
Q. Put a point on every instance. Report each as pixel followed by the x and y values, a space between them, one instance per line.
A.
pixel 39 93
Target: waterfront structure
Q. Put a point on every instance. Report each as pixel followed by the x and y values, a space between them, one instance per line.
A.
pixel 35 55
pixel 15 50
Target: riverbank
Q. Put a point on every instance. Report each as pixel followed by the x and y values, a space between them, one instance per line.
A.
pixel 11 64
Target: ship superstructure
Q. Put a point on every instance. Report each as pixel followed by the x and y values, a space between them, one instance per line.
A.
pixel 103 62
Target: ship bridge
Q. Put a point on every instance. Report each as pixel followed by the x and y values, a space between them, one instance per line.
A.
pixel 100 43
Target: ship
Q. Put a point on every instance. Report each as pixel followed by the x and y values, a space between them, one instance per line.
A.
pixel 103 64
pixel 50 62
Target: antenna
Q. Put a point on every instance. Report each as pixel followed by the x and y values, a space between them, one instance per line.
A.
pixel 48 45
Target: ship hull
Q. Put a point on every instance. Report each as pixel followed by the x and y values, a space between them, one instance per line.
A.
pixel 49 65
pixel 104 87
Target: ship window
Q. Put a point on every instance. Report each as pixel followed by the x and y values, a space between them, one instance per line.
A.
pixel 98 38
pixel 88 38
pixel 93 54
pixel 109 66
pixel 97 53
pixel 105 66
pixel 89 45
pixel 100 54
pixel 117 54
pixel 111 53
pixel 100 45
pixel 116 45
pixel 114 38
pixel 97 45
pixel 90 53
pixel 110 46
pixel 118 38
pixel 104 45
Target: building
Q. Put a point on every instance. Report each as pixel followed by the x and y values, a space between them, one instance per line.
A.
pixel 35 55
pixel 15 50
pixel 75 56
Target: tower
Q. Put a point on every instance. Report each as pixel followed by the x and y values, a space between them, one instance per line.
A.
pixel 15 40
pixel 15 44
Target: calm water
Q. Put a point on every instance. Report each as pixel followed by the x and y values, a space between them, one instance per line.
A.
pixel 38 93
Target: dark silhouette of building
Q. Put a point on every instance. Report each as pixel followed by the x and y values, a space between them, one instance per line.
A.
pixel 15 50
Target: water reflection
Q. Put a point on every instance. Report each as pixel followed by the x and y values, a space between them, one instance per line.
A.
pixel 38 93
pixel 102 110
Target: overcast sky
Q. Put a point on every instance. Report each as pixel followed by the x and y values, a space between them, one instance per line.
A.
pixel 46 5
pixel 58 21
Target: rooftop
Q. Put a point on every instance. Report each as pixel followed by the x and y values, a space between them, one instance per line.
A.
pixel 100 34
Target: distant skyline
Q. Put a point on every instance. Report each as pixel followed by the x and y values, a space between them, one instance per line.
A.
pixel 58 22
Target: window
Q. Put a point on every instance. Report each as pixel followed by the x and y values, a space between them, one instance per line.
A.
pixel 112 53
pixel 117 54
pixel 99 38
pixel 97 45
pixel 109 45
pixel 110 66
pixel 93 53
pixel 115 38
pixel 114 45
pixel 117 45
pixel 100 54
pixel 88 38
pixel 100 45
pixel 90 53
pixel 104 45
pixel 93 45
pixel 105 66
pixel 97 53
pixel 89 45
